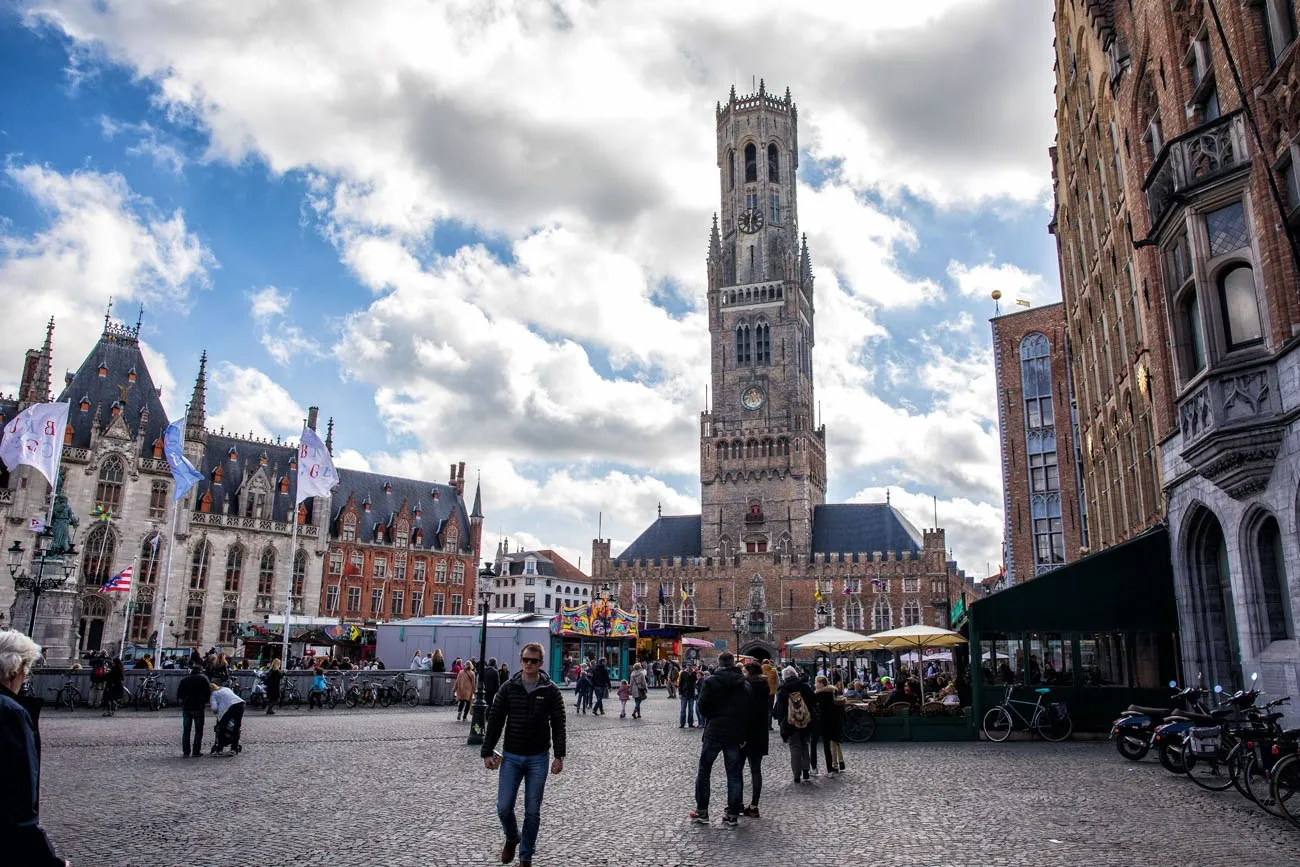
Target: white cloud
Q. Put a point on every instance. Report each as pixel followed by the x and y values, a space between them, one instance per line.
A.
pixel 149 142
pixel 980 281
pixel 973 530
pixel 101 240
pixel 249 403
pixel 281 339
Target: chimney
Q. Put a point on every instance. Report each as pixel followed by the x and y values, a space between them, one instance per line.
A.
pixel 312 413
pixel 460 479
pixel 451 478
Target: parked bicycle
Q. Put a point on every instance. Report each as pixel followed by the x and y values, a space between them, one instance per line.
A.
pixel 1052 721
pixel 859 724
pixel 399 689
pixel 151 693
pixel 289 694
pixel 66 697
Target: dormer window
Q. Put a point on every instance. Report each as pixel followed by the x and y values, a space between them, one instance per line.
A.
pixel 379 533
pixel 216 475
pixel 116 409
pixel 84 404
pixel 349 529
pixel 130 375
pixel 417 538
pixel 365 506
pixel 231 455
pixel 284 484
pixel 103 370
pixel 435 495
pixel 158 447
pixel 67 434
pixel 261 461
pixel 530 566
pixel 388 488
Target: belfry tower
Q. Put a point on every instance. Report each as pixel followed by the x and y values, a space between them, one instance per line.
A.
pixel 762 462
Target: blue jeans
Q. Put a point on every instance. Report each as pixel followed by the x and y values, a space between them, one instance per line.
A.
pixel 687 715
pixel 733 759
pixel 531 771
pixel 600 700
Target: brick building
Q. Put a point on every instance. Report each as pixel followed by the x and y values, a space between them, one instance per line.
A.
pixel 767 558
pixel 1204 139
pixel 1046 518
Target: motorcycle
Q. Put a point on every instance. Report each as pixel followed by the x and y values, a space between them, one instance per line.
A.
pixel 1135 729
pixel 1169 739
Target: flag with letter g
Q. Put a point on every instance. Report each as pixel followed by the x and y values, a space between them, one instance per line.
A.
pixel 35 438
pixel 316 473
pixel 183 472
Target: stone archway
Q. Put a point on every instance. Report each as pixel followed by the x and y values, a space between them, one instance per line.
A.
pixel 1217 649
pixel 90 626
pixel 759 650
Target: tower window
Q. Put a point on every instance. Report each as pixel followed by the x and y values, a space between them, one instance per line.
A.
pixel 775 216
pixel 743 346
pixel 751 163
pixel 731 168
pixel 773 165
pixel 763 343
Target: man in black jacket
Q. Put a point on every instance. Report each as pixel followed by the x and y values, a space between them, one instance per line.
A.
pixel 491 681
pixel 600 682
pixel 531 711
pixel 193 693
pixel 725 701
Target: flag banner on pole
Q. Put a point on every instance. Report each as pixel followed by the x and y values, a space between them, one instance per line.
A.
pixel 102 513
pixel 35 438
pixel 119 583
pixel 36 525
pixel 153 543
pixel 662 598
pixel 183 472
pixel 817 594
pixel 685 596
pixel 316 473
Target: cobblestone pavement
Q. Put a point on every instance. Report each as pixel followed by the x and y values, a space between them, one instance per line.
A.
pixel 399 787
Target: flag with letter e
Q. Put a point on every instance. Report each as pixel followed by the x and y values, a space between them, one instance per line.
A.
pixel 183 472
pixel 316 473
pixel 119 583
pixel 35 438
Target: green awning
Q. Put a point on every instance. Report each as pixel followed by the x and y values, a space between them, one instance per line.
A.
pixel 1129 587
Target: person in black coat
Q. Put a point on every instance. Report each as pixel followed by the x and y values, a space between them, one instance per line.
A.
pixel 796 736
pixel 24 841
pixel 113 686
pixel 726 702
pixel 830 716
pixel 491 681
pixel 274 677
pixel 193 693
pixel 756 735
pixel 600 683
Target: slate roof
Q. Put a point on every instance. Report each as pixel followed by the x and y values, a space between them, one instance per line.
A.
pixel 248 455
pixel 549 565
pixel 119 351
pixel 669 536
pixel 385 504
pixel 863 528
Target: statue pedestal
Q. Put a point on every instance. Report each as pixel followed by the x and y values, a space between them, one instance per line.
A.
pixel 56 631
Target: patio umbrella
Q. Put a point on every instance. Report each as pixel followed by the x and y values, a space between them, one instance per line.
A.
pixel 832 640
pixel 916 637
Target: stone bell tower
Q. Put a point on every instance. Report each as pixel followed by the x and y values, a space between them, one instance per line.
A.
pixel 762 461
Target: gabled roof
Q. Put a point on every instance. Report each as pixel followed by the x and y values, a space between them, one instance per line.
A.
pixel 386 495
pixel 118 350
pixel 248 454
pixel 845 528
pixel 549 564
pixel 669 536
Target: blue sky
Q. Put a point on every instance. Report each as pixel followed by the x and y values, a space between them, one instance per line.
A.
pixel 485 242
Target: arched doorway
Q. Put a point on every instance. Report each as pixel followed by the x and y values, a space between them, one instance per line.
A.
pixel 758 650
pixel 1217 652
pixel 90 630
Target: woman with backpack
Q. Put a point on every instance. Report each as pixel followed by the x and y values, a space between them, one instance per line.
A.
pixel 794 713
pixel 830 728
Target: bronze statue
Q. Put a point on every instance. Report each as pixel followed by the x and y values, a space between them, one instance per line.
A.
pixel 61 519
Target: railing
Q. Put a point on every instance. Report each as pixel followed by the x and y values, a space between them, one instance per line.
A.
pixel 262 525
pixel 1192 159
pixel 6 497
pixel 155 465
pixel 78 455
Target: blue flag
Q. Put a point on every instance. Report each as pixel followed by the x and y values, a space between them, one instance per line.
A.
pixel 183 471
pixel 662 598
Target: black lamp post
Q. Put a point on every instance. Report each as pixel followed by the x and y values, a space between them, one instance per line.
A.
pixel 478 719
pixel 39 582
pixel 824 620
pixel 739 620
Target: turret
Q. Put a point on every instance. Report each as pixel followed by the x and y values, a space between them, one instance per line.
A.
pixel 196 415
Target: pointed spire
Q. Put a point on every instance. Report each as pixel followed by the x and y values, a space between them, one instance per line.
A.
pixel 715 241
pixel 329 435
pixel 196 415
pixel 477 511
pixel 34 386
pixel 108 313
pixel 139 320
pixel 762 87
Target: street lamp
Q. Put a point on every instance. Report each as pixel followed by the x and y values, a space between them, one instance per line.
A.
pixel 478 720
pixel 739 620
pixel 39 582
pixel 823 620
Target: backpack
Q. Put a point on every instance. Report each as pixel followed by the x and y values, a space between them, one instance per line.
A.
pixel 797 714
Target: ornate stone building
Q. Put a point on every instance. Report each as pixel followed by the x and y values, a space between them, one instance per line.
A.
pixel 231 561
pixel 1199 98
pixel 766 544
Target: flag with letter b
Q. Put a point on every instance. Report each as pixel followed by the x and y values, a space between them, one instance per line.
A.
pixel 35 438
pixel 316 473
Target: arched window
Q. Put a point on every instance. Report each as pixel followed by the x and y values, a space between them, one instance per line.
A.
pixel 199 564
pixel 453 538
pixel 108 492
pixel 911 612
pixel 731 168
pixel 688 613
pixel 724 547
pixel 853 615
pixel 150 560
pixel 751 163
pixel 266 573
pixel 299 573
pixel 882 616
pixel 773 164
pixel 744 351
pixel 205 502
pixel 99 550
pixel 458 573
pixel 234 568
pixel 1036 380
pixel 1241 324
pixel 1275 594
pixel 1188 325
pixel 763 343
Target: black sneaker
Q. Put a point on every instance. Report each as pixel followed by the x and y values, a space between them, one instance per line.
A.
pixel 730 819
pixel 700 817
pixel 750 812
pixel 805 777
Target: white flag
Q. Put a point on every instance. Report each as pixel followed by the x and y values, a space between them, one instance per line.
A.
pixel 316 473
pixel 35 438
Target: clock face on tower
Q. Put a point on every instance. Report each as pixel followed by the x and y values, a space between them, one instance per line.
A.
pixel 752 397
pixel 751 220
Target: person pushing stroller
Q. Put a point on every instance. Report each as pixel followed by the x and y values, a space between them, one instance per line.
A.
pixel 229 710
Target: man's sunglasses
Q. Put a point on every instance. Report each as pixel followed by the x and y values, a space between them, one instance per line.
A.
pixel 530 660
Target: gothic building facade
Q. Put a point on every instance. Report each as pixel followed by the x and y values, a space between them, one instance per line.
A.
pixel 768 558
pixel 1187 110
pixel 378 547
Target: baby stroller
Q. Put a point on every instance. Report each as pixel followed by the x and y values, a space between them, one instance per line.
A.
pixel 227 731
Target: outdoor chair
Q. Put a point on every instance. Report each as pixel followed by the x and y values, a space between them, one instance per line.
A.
pixel 933 708
pixel 896 709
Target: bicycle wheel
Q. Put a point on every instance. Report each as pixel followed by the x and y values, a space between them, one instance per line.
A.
pixel 67 698
pixel 411 696
pixel 859 725
pixel 1172 757
pixel 1053 728
pixel 1258 783
pixel 1285 787
pixel 1211 772
pixel 385 696
pixel 353 697
pixel 371 697
pixel 331 698
pixel 997 724
pixel 296 699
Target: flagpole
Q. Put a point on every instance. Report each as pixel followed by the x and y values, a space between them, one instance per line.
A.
pixel 161 620
pixel 130 596
pixel 288 589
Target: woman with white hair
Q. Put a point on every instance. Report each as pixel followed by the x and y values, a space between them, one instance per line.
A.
pixel 20 766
